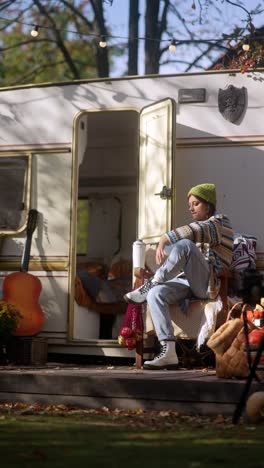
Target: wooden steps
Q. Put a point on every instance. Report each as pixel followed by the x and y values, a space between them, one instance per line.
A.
pixel 186 391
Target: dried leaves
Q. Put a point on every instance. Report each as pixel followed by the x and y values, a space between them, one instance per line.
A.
pixel 131 418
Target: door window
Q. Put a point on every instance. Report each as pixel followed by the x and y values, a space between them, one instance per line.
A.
pixel 14 192
pixel 82 226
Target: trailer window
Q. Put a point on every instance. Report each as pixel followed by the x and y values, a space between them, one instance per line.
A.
pixel 13 192
pixel 82 226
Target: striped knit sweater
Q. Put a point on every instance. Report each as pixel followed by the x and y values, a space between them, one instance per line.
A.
pixel 215 239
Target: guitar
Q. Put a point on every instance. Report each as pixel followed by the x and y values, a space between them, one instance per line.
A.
pixel 23 289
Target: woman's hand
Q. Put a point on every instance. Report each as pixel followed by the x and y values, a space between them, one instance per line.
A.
pixel 160 254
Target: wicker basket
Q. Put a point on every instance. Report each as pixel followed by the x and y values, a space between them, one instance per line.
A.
pixel 228 344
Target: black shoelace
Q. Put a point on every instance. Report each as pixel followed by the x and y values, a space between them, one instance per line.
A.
pixel 145 287
pixel 161 354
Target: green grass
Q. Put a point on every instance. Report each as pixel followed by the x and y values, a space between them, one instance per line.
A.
pixel 117 440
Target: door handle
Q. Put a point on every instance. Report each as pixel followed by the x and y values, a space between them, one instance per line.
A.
pixel 165 193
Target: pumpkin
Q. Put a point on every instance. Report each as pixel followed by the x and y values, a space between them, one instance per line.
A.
pixel 255 407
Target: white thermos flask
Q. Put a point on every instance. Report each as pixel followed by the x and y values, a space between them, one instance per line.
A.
pixel 139 250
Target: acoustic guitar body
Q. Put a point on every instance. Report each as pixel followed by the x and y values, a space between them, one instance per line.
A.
pixel 23 290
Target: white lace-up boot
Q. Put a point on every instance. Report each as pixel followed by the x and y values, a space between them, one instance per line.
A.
pixel 167 359
pixel 139 295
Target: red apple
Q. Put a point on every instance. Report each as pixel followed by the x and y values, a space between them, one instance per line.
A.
pixel 256 336
pixel 258 313
pixel 249 315
pixel 126 332
pixel 130 343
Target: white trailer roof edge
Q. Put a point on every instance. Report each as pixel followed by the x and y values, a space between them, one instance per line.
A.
pixel 124 78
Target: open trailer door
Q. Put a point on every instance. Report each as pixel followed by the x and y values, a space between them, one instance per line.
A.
pixel 156 162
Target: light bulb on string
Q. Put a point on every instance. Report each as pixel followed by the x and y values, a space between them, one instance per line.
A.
pixel 246 46
pixel 172 46
pixel 103 42
pixel 35 31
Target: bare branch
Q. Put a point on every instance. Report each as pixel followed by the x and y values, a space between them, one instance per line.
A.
pixel 78 13
pixel 182 62
pixel 239 6
pixel 202 55
pixel 16 19
pixel 29 41
pixel 6 4
pixel 60 42
pixel 36 71
pixel 175 10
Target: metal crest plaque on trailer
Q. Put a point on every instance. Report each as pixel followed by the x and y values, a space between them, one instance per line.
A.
pixel 232 102
pixel 191 95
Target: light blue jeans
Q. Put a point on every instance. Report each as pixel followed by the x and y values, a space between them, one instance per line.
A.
pixel 185 257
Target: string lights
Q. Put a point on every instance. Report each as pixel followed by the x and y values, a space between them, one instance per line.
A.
pixel 35 32
pixel 103 42
pixel 246 46
pixel 172 46
pixel 172 42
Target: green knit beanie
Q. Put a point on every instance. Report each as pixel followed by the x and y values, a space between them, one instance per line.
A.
pixel 205 191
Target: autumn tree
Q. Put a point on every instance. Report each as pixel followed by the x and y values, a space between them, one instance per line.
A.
pixel 165 20
pixel 245 48
pixel 67 46
pixel 69 33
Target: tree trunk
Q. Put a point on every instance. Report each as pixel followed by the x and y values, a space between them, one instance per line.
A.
pixel 133 37
pixel 101 53
pixel 154 29
pixel 151 30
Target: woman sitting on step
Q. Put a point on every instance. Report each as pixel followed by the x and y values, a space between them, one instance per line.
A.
pixel 199 253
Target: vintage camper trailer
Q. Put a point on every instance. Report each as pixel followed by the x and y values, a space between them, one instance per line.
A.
pixel 107 161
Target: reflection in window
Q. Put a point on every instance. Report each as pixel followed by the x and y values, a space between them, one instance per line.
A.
pixel 13 192
pixel 82 226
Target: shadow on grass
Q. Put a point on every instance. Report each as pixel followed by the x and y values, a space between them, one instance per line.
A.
pixel 71 441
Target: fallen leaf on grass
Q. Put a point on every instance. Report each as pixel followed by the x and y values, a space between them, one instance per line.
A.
pixel 163 414
pixel 219 418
